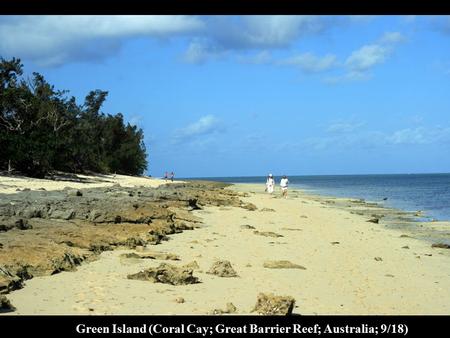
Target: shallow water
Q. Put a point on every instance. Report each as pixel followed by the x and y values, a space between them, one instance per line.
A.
pixel 429 193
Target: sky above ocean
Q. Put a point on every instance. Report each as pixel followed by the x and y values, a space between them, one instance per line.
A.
pixel 249 95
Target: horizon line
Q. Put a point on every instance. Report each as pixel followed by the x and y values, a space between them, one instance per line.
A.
pixel 371 174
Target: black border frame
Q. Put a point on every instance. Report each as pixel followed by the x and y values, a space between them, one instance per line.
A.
pixel 65 325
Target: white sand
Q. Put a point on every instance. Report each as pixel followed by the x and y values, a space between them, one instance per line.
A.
pixel 339 278
pixel 9 185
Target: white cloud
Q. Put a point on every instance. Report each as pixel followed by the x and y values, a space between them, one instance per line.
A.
pixel 310 63
pixel 52 40
pixel 197 52
pixel 206 125
pixel 366 57
pixel 408 136
pixel 278 30
pixel 262 31
pixel 361 61
pixel 270 31
pixel 55 40
pixel 419 135
pixel 348 136
pixel 392 38
pixel 254 32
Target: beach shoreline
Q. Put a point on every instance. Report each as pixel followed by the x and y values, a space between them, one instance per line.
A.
pixel 341 263
pixel 15 184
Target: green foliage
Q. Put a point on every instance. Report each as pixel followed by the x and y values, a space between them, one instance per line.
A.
pixel 41 129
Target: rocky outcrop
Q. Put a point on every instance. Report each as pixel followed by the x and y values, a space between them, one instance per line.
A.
pixel 65 228
pixel 5 304
pixel 167 274
pixel 62 214
pixel 282 265
pixel 8 223
pixel 118 205
pixel 249 206
pixel 9 281
pixel 269 304
pixel 152 255
pixel 222 269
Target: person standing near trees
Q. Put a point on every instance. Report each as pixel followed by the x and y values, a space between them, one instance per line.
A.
pixel 284 186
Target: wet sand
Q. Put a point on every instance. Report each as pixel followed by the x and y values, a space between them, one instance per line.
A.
pixel 351 266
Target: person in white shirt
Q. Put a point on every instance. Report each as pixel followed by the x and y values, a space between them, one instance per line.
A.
pixel 284 186
pixel 270 184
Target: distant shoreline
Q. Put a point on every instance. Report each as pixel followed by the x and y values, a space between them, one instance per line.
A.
pixel 426 193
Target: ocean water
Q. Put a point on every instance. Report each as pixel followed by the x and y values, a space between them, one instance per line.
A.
pixel 411 192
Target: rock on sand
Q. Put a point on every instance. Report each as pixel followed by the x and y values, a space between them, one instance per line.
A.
pixel 269 304
pixel 230 308
pixel 282 265
pixel 167 274
pixel 5 304
pixel 222 269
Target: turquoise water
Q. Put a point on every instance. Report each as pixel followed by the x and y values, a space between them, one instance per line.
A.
pixel 427 192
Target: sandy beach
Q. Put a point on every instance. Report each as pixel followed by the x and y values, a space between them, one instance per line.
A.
pixel 11 185
pixel 340 264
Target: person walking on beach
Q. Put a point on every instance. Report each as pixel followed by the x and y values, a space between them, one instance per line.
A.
pixel 172 176
pixel 284 186
pixel 270 184
pixel 166 176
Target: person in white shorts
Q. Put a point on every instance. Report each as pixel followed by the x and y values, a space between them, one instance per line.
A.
pixel 270 184
pixel 284 186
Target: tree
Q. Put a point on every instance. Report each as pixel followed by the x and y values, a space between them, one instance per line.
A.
pixel 41 129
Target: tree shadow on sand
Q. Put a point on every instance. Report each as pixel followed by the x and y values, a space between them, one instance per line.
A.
pixel 69 177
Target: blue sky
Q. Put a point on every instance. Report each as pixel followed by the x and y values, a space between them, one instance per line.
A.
pixel 248 95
